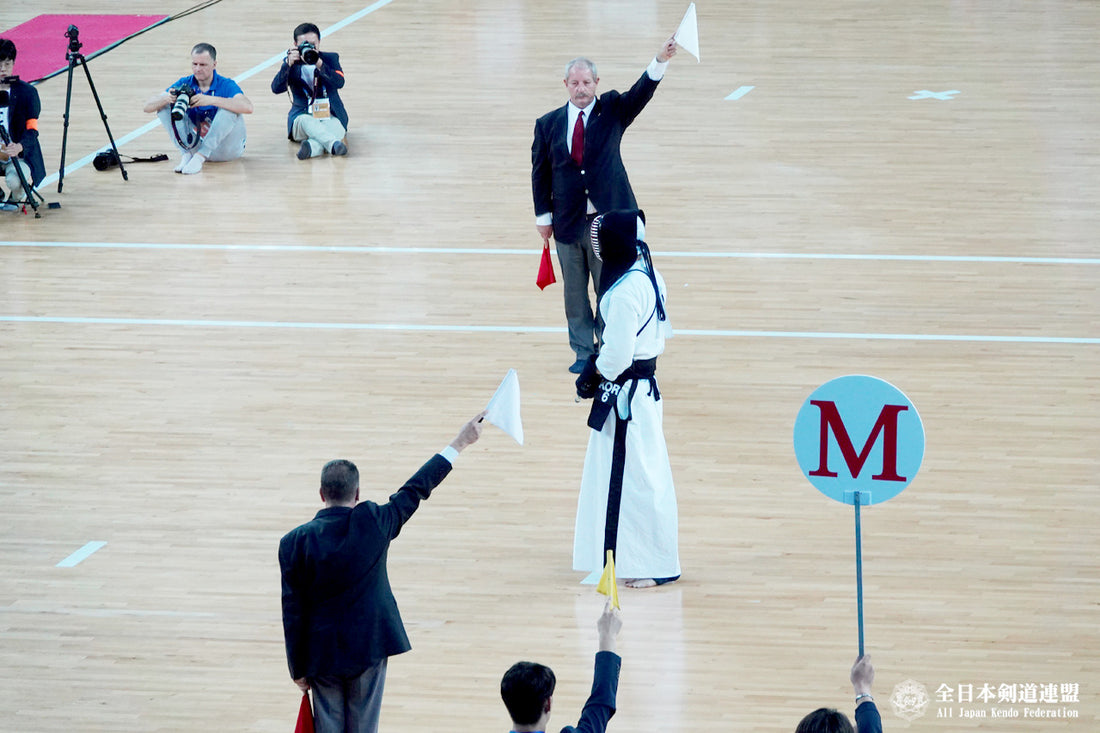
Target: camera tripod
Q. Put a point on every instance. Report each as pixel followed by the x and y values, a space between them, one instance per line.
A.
pixel 75 58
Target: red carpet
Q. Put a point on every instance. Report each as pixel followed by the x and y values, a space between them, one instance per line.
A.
pixel 41 41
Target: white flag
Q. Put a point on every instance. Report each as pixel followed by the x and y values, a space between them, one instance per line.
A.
pixel 687 35
pixel 503 409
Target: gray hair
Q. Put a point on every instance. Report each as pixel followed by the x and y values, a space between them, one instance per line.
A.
pixel 581 61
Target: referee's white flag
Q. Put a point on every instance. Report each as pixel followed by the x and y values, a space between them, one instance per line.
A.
pixel 503 409
pixel 687 35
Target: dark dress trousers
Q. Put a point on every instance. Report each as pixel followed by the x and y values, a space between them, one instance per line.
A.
pixel 339 614
pixel 561 186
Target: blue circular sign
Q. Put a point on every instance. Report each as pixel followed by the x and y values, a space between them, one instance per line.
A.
pixel 859 434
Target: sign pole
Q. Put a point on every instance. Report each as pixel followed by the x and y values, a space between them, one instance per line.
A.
pixel 875 437
pixel 859 574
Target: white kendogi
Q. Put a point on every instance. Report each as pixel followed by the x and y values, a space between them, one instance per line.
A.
pixel 634 331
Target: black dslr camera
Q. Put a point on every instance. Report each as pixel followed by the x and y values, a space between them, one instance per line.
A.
pixel 73 34
pixel 308 52
pixel 183 93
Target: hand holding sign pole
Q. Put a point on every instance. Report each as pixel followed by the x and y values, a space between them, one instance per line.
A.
pixel 856 406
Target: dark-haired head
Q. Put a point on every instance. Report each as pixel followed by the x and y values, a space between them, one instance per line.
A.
pixel 305 28
pixel 7 50
pixel 825 720
pixel 526 688
pixel 339 481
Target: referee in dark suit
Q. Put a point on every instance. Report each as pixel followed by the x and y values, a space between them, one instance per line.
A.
pixel 577 172
pixel 340 619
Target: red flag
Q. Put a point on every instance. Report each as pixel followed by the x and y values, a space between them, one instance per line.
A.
pixel 305 716
pixel 546 269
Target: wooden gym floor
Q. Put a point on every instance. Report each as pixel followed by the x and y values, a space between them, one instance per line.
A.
pixel 180 355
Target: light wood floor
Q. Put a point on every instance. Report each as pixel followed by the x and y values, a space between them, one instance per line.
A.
pixel 177 403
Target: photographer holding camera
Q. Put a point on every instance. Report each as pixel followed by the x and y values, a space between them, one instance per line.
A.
pixel 317 117
pixel 203 113
pixel 19 110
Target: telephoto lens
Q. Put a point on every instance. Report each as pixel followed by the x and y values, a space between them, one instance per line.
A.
pixel 308 52
pixel 182 103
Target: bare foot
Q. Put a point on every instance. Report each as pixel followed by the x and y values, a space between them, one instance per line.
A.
pixel 639 582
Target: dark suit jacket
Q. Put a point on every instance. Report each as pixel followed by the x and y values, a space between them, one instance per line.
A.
pixel 867 718
pixel 329 78
pixel 339 614
pixel 601 703
pixel 561 186
pixel 23 111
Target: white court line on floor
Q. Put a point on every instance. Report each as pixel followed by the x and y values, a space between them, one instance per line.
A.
pixel 81 555
pixel 131 136
pixel 528 252
pixel 739 92
pixel 447 328
pixel 103 612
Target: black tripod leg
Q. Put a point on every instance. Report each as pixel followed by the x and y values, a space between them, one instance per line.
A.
pixel 65 134
pixel 103 116
pixel 28 189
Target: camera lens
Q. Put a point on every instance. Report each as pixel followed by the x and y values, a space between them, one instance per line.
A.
pixel 309 53
pixel 179 108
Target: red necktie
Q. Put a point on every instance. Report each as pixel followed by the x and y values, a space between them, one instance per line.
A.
pixel 578 140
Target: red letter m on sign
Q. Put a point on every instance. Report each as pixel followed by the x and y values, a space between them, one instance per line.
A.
pixel 887 424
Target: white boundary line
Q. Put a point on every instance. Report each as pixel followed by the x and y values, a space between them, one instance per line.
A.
pixel 528 252
pixel 103 612
pixel 81 555
pixel 446 328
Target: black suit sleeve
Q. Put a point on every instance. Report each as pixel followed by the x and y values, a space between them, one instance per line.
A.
pixel 393 514
pixel 294 622
pixel 24 107
pixel 279 83
pixel 33 112
pixel 634 100
pixel 867 718
pixel 542 184
pixel 601 703
pixel 331 73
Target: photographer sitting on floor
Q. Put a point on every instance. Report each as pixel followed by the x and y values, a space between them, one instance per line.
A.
pixel 202 113
pixel 19 110
pixel 317 117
